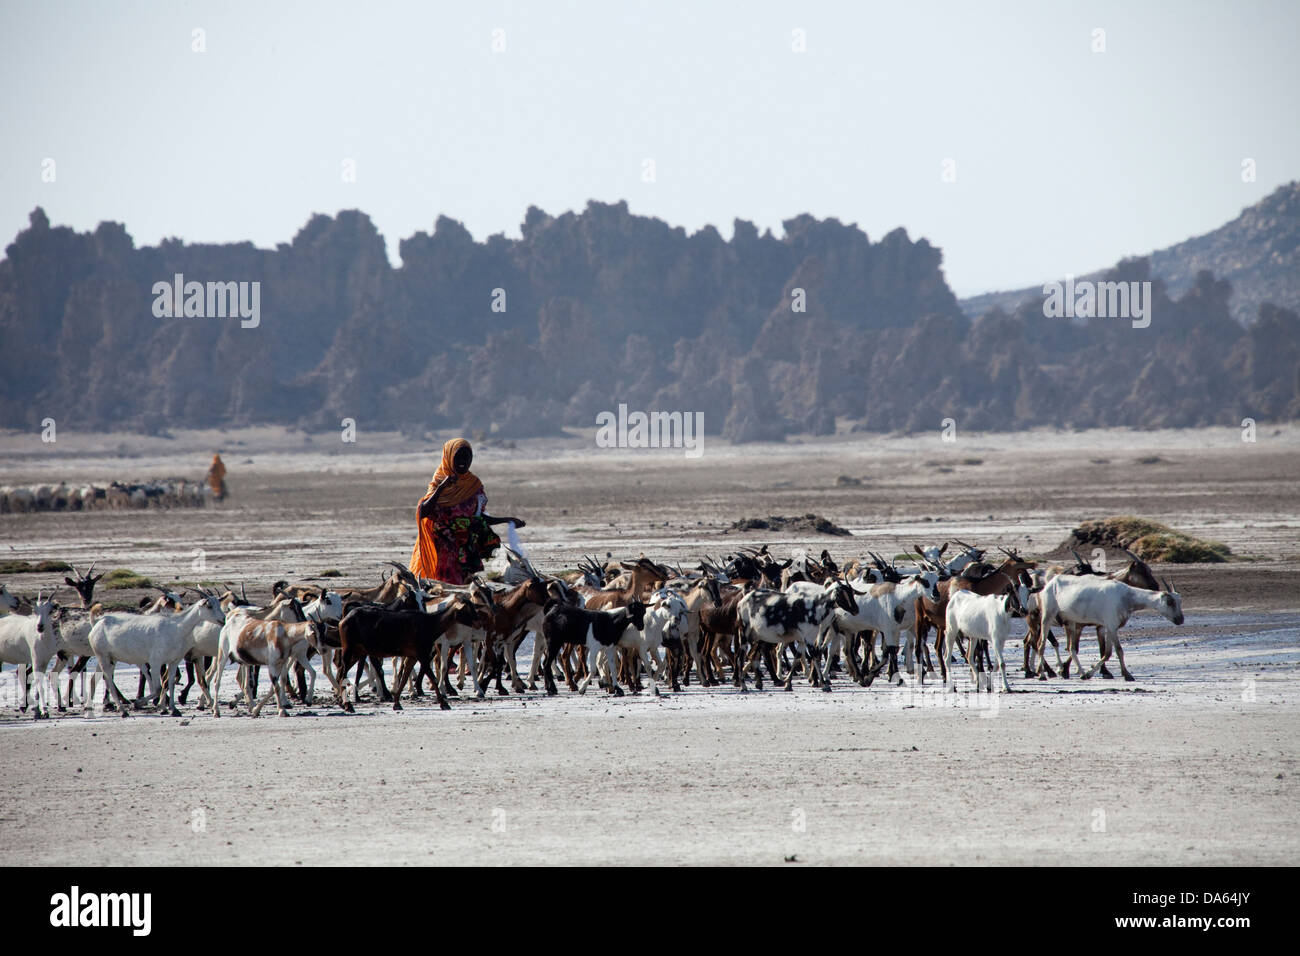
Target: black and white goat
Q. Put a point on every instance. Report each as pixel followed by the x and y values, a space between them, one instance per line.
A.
pixel 594 630
pixel 799 619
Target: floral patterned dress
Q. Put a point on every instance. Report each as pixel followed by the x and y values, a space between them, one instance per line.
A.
pixel 462 539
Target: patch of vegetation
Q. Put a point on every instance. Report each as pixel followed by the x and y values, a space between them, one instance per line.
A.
pixel 329 573
pixel 26 567
pixel 1149 540
pixel 119 579
pixel 1179 548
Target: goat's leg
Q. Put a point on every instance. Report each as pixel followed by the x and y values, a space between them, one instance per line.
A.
pixel 753 660
pixel 168 677
pixel 799 650
pixel 1072 634
pixel 426 661
pixel 248 680
pixel 467 655
pixel 255 709
pixel 548 675
pixel 59 664
pixel 339 690
pixel 1108 642
pixel 535 665
pixel 445 653
pixel 512 660
pixel 651 675
pixel 950 677
pixel 157 681
pixel 1033 640
pixel 1000 661
pixel 611 658
pixel 356 681
pixel 826 665
pixel 401 673
pixel 1104 652
pixel 1119 652
pixel 300 674
pixel 943 651
pixel 189 681
pixel 402 667
pixel 302 662
pixel 377 675
pixel 345 665
pixel 106 668
pixel 461 652
pixel 214 680
pixel 569 671
pixel 593 650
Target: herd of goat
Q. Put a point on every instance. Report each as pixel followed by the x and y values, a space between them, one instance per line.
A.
pixel 623 624
pixel 163 493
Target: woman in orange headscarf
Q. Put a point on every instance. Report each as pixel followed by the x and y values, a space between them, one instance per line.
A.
pixel 454 531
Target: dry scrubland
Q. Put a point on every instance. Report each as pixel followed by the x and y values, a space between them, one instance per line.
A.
pixel 1194 763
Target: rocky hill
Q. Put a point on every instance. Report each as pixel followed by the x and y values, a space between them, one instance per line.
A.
pixel 588 310
pixel 1258 253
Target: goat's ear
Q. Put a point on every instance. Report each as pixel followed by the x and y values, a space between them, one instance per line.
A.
pixel 944 548
pixel 70 582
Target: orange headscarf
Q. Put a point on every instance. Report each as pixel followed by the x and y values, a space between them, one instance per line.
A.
pixel 466 486
pixel 424 556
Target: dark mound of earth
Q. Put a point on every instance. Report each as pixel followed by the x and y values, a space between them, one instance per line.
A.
pixel 811 523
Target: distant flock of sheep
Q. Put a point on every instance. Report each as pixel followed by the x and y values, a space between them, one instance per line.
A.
pixel 618 623
pixel 164 493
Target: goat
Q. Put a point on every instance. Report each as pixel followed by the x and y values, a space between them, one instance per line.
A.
pixel 595 630
pixel 981 578
pixel 1078 601
pixel 160 641
pixel 889 609
pixel 1136 573
pixel 511 614
pixel 641 580
pixel 29 641
pixel 8 601
pixel 981 618
pixel 665 622
pixel 252 641
pixel 74 631
pixel 371 632
pixel 800 619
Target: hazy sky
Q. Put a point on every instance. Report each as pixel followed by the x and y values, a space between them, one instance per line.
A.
pixel 1065 159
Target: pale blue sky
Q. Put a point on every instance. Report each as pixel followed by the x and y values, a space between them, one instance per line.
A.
pixel 1066 159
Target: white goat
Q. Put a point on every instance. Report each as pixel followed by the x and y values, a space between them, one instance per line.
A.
pixel 29 641
pixel 889 609
pixel 1076 602
pixel 160 641
pixel 665 619
pixel 981 617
